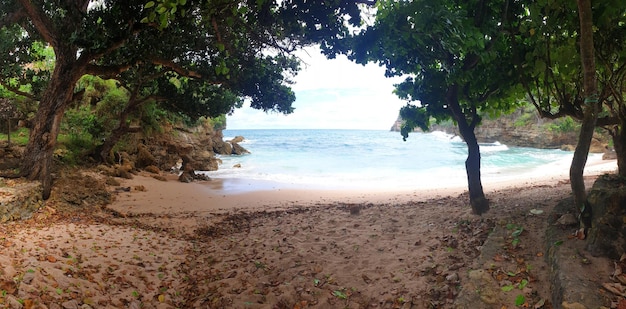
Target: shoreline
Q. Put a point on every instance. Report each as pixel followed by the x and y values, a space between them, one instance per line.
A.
pixel 148 195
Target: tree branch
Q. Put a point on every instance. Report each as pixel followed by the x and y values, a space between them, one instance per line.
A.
pixel 12 18
pixel 107 72
pixel 18 91
pixel 176 67
pixel 45 27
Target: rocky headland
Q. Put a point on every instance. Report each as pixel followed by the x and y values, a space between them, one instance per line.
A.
pixel 524 128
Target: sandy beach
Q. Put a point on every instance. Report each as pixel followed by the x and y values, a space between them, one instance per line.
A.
pixel 166 244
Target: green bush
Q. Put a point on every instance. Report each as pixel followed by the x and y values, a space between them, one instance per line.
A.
pixel 563 125
pixel 524 119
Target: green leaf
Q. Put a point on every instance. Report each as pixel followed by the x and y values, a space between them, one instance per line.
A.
pixel 161 9
pixel 507 288
pixel 149 5
pixel 340 294
pixel 520 300
pixel 523 284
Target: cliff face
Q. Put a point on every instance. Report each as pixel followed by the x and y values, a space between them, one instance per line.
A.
pixel 525 128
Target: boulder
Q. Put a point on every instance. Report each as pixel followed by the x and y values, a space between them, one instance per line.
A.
pixel 152 169
pixel 237 139
pixel 221 147
pixel 238 150
pixel 607 236
pixel 609 154
pixel 144 157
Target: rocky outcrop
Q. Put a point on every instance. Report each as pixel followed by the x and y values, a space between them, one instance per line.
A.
pixel 181 149
pixel 231 147
pixel 18 200
pixel 607 198
pixel 523 129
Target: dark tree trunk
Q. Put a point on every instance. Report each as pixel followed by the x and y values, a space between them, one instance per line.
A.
pixel 38 155
pixel 9 133
pixel 478 201
pixel 122 128
pixel 591 108
pixel 619 141
pixel 116 135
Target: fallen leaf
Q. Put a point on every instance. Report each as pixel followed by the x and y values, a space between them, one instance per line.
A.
pixel 28 304
pixel 498 258
pixel 614 288
pixel 161 298
pixel 51 259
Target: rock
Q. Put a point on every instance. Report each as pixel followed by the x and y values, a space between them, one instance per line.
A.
pixel 609 154
pixel 238 150
pixel 152 169
pixel 159 177
pixel 221 147
pixel 186 176
pixel 237 139
pixel 70 304
pixel 144 157
pixel 567 220
pixel 607 236
pixel 568 147
pixel 238 165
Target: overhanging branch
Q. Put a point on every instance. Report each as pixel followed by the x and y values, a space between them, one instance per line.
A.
pixel 176 68
pixel 18 91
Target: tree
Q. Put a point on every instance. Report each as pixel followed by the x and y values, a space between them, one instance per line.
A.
pixel 590 112
pixel 556 63
pixel 458 62
pixel 209 41
pixel 8 112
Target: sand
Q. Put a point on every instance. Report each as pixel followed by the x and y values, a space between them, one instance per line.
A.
pixel 217 244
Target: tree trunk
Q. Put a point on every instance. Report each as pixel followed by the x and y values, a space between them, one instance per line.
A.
pixel 9 133
pixel 591 109
pixel 619 142
pixel 478 201
pixel 109 143
pixel 38 155
pixel 122 128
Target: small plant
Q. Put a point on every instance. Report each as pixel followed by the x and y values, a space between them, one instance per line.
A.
pixel 340 294
pixel 517 230
pixel 259 265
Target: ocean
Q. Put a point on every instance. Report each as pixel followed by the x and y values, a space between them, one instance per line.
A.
pixel 371 159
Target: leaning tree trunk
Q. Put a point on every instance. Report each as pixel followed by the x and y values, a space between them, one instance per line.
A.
pixel 122 128
pixel 478 201
pixel 38 155
pixel 591 109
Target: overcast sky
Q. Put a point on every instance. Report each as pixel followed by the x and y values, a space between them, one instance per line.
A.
pixel 331 94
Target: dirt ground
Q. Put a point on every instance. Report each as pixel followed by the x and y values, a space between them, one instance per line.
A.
pixel 418 253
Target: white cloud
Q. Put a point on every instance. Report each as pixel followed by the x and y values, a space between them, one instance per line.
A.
pixel 331 94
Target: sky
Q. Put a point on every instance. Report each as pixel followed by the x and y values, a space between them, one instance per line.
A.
pixel 331 94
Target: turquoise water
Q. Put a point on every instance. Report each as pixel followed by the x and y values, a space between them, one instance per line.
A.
pixel 361 159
